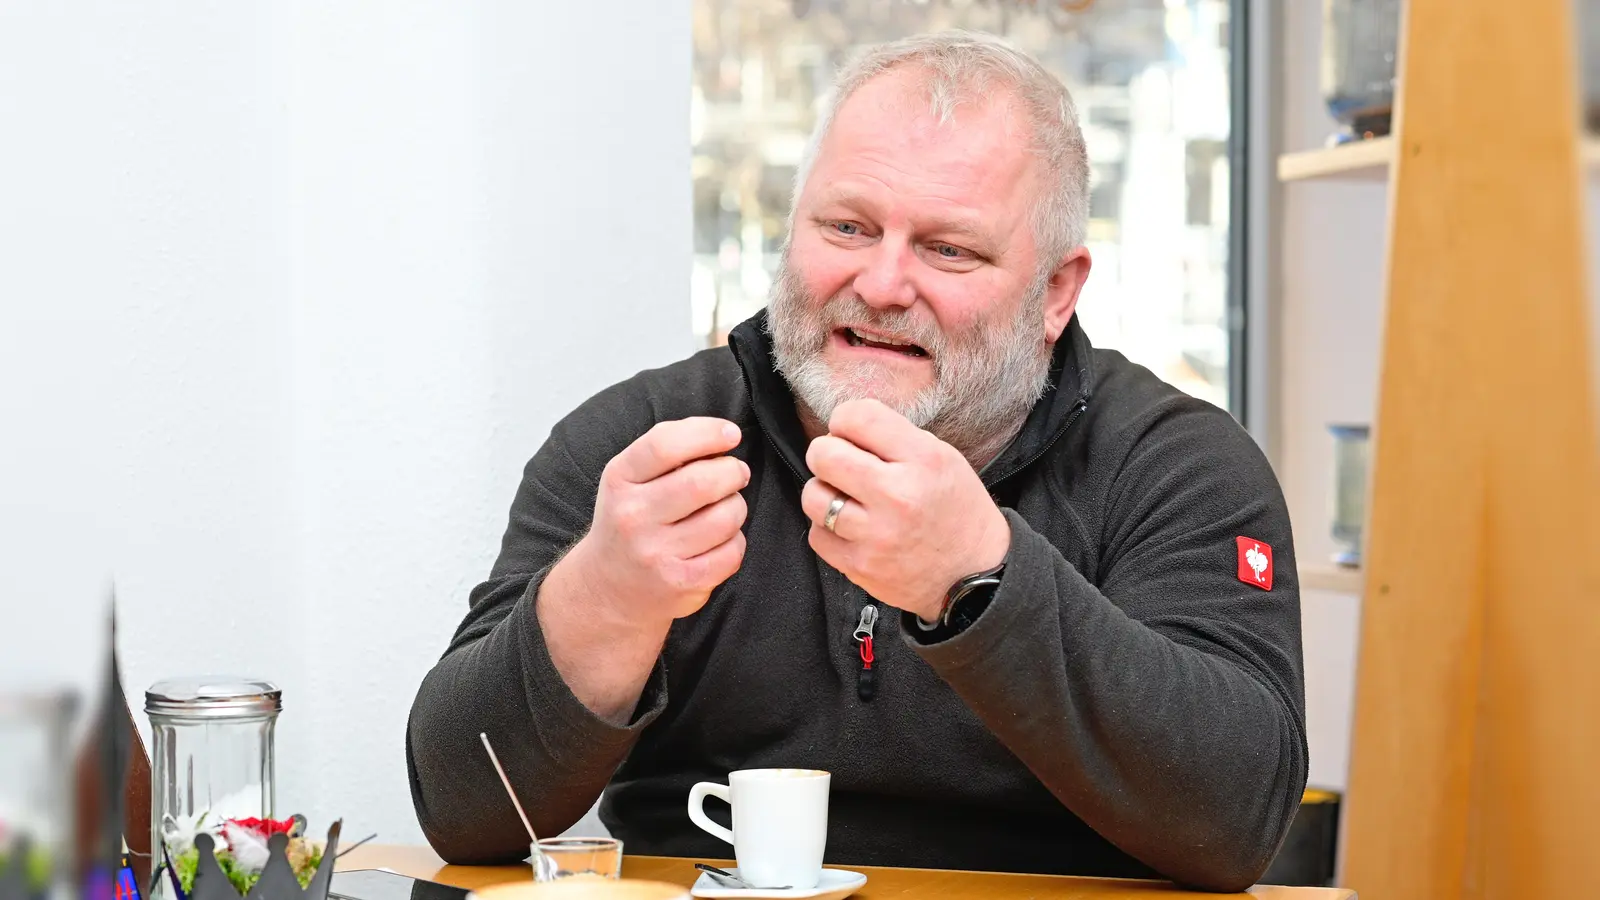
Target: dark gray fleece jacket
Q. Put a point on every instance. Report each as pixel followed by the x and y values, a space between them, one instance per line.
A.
pixel 1130 703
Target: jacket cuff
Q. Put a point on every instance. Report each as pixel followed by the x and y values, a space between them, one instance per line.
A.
pixel 1012 602
pixel 584 733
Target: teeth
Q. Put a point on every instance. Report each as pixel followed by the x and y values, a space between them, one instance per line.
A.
pixel 856 340
pixel 879 339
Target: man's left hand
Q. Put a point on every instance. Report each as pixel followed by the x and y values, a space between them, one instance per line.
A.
pixel 916 516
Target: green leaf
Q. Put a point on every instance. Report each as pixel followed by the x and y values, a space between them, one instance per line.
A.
pixel 310 868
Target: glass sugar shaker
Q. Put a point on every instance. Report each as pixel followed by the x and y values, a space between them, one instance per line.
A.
pixel 211 757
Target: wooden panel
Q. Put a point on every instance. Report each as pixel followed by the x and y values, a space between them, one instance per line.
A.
pixel 420 862
pixel 1472 771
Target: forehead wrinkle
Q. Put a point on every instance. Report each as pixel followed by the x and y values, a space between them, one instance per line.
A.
pixel 958 154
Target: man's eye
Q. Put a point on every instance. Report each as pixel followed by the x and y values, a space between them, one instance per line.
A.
pixel 849 229
pixel 949 252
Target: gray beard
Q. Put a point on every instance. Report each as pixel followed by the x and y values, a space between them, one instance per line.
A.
pixel 986 378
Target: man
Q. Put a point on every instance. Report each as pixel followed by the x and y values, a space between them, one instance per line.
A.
pixel 1074 584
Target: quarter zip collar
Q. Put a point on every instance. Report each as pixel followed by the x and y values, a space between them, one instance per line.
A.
pixel 770 396
pixel 1070 382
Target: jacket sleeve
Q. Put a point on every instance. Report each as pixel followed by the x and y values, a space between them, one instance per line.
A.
pixel 497 676
pixel 1165 705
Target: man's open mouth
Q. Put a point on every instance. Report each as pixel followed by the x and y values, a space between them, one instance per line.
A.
pixel 881 342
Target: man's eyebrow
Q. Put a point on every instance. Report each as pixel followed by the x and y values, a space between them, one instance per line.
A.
pixel 966 228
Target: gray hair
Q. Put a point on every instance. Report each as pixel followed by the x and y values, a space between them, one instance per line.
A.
pixel 963 65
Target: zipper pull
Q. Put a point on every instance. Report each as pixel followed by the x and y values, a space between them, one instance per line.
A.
pixel 866 678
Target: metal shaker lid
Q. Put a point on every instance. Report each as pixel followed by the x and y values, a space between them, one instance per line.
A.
pixel 213 697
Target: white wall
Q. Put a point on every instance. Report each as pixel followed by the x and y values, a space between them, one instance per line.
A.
pixel 300 288
pixel 147 411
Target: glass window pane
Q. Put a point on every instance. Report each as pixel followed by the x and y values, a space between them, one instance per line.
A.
pixel 1150 78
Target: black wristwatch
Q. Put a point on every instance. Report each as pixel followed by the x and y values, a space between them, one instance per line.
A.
pixel 966 600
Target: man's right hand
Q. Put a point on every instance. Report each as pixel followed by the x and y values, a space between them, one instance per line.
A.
pixel 665 533
pixel 667 519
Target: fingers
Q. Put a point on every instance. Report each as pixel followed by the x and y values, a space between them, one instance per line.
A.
pixel 832 549
pixel 670 445
pixel 709 569
pixel 709 528
pixel 877 429
pixel 847 467
pixel 683 492
pixel 818 495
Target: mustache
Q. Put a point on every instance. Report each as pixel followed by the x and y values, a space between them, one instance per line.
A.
pixel 847 310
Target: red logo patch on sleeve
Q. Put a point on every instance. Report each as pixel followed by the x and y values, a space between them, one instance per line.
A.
pixel 1255 563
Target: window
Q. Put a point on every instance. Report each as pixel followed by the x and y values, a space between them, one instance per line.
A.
pixel 1151 79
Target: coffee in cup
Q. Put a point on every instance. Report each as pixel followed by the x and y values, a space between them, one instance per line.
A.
pixel 780 823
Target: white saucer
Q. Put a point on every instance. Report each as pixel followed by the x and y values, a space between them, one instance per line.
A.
pixel 835 884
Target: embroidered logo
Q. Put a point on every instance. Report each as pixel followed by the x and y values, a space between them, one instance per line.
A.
pixel 1255 562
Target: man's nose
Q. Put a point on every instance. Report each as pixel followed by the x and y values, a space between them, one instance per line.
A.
pixel 885 281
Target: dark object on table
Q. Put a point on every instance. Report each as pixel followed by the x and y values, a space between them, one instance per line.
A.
pixel 1310 850
pixel 1360 45
pixel 378 884
pixel 101 771
pixel 729 880
pixel 277 881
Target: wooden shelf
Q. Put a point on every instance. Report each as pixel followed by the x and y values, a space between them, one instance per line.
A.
pixel 1370 160
pixel 1331 578
pixel 1359 161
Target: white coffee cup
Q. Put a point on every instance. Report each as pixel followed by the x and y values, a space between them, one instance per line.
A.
pixel 780 823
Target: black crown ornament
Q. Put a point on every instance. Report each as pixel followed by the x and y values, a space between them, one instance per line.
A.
pixel 277 881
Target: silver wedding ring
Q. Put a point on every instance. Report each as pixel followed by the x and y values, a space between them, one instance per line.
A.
pixel 831 518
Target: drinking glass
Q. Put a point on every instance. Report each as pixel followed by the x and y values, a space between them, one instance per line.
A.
pixel 555 859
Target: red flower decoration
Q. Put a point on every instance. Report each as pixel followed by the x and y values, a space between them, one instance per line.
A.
pixel 264 827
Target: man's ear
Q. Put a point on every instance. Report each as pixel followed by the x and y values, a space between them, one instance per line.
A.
pixel 1061 295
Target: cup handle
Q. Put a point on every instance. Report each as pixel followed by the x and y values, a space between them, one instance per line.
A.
pixel 697 813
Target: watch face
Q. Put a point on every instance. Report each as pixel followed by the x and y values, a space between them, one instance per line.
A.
pixel 973 601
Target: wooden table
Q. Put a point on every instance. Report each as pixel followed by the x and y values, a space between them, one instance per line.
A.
pixel 420 862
